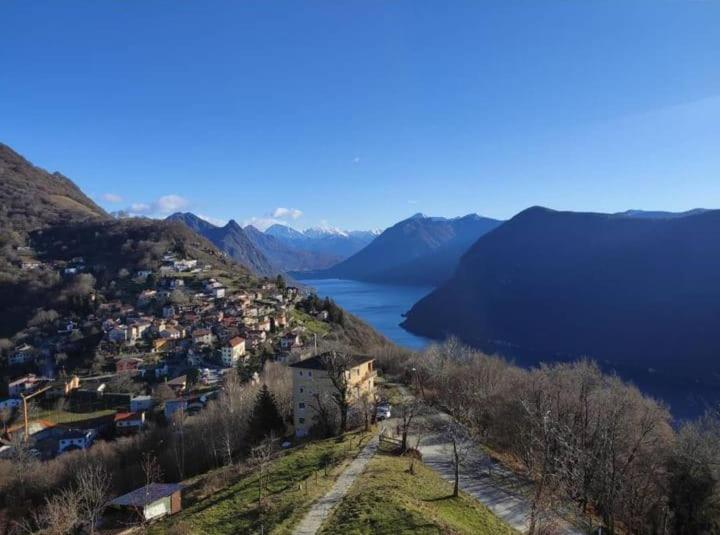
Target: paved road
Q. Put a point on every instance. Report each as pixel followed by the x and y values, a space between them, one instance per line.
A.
pixel 321 509
pixel 501 490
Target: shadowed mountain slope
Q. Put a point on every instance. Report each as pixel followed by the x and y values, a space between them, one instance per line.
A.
pixel 638 291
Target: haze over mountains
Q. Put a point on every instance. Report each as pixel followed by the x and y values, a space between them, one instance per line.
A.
pixel 280 248
pixel 331 244
pixel 639 289
pixel 420 250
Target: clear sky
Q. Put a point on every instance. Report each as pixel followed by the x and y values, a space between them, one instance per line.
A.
pixel 360 113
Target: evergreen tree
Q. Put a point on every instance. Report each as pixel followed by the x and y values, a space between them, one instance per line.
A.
pixel 265 418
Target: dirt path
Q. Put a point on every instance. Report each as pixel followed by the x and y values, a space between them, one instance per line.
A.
pixel 321 509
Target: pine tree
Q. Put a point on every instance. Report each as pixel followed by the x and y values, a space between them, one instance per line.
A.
pixel 280 282
pixel 265 418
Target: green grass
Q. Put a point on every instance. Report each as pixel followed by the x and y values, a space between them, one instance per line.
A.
pixel 314 326
pixel 65 417
pixel 296 480
pixel 388 499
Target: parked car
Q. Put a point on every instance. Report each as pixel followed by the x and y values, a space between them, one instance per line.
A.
pixel 383 412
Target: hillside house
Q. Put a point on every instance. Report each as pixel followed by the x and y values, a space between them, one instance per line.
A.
pixel 231 352
pixel 218 293
pixel 311 379
pixel 202 336
pixel 263 325
pixel 30 265
pixel 151 501
pixel 141 403
pixel 178 384
pixel 174 406
pixel 290 341
pixel 128 365
pixel 184 265
pixel 146 297
pixel 119 334
pixel 76 439
pixel 129 422
pixel 170 333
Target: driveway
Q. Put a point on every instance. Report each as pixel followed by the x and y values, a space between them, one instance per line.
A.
pixel 504 492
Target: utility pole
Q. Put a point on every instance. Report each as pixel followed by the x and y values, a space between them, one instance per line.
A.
pixel 25 407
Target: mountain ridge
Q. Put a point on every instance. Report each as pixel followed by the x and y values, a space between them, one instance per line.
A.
pixel 231 239
pixel 32 198
pixel 418 250
pixel 545 280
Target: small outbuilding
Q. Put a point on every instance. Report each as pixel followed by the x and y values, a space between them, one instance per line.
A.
pixel 151 501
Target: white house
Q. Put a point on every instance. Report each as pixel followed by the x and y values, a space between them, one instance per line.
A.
pixel 232 351
pixel 76 439
pixel 202 336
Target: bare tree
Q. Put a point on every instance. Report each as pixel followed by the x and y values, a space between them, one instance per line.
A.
pixel 92 486
pixel 58 516
pixel 278 377
pixel 408 410
pixel 460 446
pixel 260 457
pixel 368 405
pixel 338 364
pixel 324 413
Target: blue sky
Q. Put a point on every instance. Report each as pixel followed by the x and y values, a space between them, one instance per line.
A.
pixel 360 113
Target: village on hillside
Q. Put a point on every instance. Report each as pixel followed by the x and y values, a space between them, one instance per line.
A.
pixel 163 356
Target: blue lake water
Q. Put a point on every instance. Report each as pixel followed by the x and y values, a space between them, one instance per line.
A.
pixel 380 305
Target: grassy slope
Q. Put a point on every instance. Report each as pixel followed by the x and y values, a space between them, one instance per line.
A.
pixel 234 509
pixel 66 417
pixel 387 499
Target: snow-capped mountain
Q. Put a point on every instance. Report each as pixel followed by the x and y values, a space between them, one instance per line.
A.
pixel 324 240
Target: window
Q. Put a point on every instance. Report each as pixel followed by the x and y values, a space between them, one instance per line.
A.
pixel 301 405
pixel 301 420
pixel 302 390
pixel 300 372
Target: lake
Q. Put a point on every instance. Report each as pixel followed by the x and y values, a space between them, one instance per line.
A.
pixel 380 305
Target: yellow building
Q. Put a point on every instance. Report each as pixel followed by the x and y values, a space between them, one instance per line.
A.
pixel 311 381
